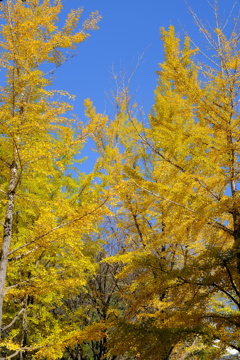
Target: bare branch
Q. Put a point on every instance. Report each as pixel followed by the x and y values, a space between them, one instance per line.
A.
pixel 13 320
pixel 202 28
pixel 18 257
pixel 11 356
pixel 229 16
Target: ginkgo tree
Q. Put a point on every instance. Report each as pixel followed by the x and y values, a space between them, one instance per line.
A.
pixel 47 207
pixel 175 188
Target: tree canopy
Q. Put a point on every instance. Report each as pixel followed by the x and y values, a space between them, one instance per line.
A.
pixel 140 259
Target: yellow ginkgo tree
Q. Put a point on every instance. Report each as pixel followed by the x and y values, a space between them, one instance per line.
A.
pixel 47 207
pixel 175 191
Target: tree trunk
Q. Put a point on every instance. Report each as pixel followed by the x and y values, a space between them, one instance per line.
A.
pixel 7 235
pixel 236 235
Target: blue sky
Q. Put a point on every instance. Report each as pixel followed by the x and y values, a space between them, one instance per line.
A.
pixel 128 29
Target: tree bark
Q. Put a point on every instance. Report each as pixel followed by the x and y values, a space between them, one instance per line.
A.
pixel 236 232
pixel 7 235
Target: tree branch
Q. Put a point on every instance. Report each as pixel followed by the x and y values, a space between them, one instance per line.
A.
pixel 214 223
pixel 11 356
pixel 56 228
pixel 231 280
pixel 13 320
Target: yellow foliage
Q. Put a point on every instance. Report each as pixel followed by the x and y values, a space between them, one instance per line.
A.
pixel 174 188
pixel 50 256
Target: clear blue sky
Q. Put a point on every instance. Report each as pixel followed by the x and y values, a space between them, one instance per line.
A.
pixel 128 29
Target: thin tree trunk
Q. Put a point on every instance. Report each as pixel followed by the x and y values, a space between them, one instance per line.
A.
pixel 7 235
pixel 236 218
